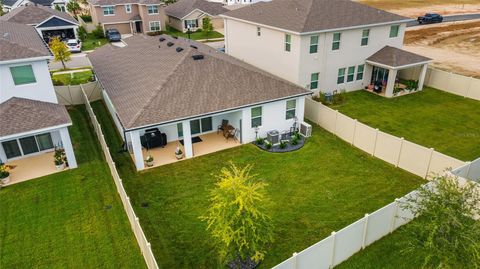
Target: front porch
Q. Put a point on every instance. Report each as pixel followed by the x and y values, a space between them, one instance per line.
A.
pixel 210 142
pixel 385 66
pixel 32 167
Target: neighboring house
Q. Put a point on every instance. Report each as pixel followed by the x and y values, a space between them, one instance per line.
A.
pixel 189 14
pixel 322 45
pixel 9 5
pixel 32 121
pixel 128 16
pixel 186 90
pixel 48 22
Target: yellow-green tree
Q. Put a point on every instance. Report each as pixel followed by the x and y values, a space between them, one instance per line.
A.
pixel 60 51
pixel 236 217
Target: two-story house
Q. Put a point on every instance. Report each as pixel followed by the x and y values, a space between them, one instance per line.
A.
pixel 128 17
pixel 61 5
pixel 32 121
pixel 322 44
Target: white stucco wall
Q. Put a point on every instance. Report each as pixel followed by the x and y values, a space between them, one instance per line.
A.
pixel 268 52
pixel 41 90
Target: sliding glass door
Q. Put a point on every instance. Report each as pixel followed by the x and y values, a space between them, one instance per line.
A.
pixel 201 126
pixel 27 145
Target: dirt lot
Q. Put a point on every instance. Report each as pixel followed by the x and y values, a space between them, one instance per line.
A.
pixel 454 47
pixel 415 8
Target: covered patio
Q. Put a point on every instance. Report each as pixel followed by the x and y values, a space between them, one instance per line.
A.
pixel 385 65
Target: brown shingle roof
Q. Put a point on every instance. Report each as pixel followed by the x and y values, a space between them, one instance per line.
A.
pixel 122 2
pixel 19 41
pixel 303 16
pixel 34 15
pixel 395 57
pixel 182 8
pixel 150 83
pixel 19 115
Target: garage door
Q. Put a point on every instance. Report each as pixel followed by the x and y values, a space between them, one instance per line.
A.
pixel 123 28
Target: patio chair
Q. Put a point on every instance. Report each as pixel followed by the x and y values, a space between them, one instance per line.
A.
pixel 232 134
pixel 222 127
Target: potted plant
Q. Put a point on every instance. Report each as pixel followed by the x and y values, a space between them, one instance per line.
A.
pixel 178 153
pixel 59 158
pixel 4 174
pixel 149 160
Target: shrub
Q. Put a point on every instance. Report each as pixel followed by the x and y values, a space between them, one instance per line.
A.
pixel 260 141
pixel 268 145
pixel 82 33
pixel 98 32
pixel 57 82
pixel 294 140
pixel 86 18
pixel 155 33
pixel 283 144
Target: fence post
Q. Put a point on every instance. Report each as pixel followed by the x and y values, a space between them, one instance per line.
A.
pixel 294 256
pixel 394 218
pixel 469 165
pixel 429 162
pixel 365 229
pixel 470 82
pixel 332 260
pixel 400 151
pixel 335 125
pixel 375 144
pixel 354 131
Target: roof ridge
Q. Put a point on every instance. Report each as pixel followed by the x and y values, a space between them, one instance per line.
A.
pixel 140 112
pixel 308 15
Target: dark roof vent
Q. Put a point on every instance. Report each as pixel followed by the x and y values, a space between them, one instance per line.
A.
pixel 195 47
pixel 170 44
pixel 176 37
pixel 178 49
pixel 197 57
pixel 161 39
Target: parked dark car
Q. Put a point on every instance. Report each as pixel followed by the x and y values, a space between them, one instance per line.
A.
pixel 113 35
pixel 430 18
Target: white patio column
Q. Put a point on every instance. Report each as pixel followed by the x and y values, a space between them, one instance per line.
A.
pixel 187 139
pixel 3 156
pixel 246 128
pixel 392 75
pixel 137 150
pixel 421 79
pixel 67 146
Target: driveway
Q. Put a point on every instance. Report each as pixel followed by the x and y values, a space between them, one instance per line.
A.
pixel 77 60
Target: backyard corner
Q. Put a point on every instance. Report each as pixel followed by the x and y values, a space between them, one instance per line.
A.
pixel 432 118
pixel 198 35
pixel 72 219
pixel 318 189
pixel 72 77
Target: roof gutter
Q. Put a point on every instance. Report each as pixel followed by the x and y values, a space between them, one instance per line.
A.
pixel 217 112
pixel 14 61
pixel 397 67
pixel 319 31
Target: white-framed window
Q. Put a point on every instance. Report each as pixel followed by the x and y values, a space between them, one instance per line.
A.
pixel 394 29
pixel 341 76
pixel 313 44
pixel 259 31
pixel 365 35
pixel 314 81
pixel 154 26
pixel 336 41
pixel 351 74
pixel 108 10
pixel 152 9
pixel 256 116
pixel 190 24
pixel 128 8
pixel 288 42
pixel 22 74
pixel 291 107
pixel 360 70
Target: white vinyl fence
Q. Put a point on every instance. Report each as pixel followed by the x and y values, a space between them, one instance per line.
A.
pixel 134 221
pixel 471 171
pixel 72 95
pixel 467 87
pixel 402 153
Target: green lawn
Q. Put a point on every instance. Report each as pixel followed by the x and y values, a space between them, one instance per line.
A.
pixel 432 118
pixel 321 188
pixel 195 36
pixel 72 219
pixel 92 42
pixel 73 78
